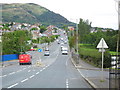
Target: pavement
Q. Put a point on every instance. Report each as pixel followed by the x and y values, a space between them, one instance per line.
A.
pixel 8 63
pixel 93 75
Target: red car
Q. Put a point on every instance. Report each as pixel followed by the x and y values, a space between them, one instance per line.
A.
pixel 32 50
pixel 24 59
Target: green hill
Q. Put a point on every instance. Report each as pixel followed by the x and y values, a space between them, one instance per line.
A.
pixel 31 13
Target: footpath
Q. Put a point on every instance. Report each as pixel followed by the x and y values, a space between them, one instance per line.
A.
pixel 94 76
pixel 8 63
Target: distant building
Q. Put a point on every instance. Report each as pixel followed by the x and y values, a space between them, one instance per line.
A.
pixel 71 28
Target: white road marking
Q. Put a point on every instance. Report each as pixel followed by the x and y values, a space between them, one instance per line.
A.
pixel 4 75
pixel 24 80
pixel 32 76
pixel 19 70
pixel 13 85
pixel 67 84
pixel 44 68
pixel 41 70
pixel 11 73
pixel 29 70
pixel 37 73
pixel 24 68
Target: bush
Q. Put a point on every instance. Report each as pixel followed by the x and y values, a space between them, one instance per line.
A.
pixel 94 56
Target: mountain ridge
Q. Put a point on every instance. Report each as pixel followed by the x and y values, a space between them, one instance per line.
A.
pixel 31 13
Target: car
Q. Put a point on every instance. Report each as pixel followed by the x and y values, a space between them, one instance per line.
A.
pixel 32 49
pixel 47 53
pixel 64 52
pixel 25 58
pixel 46 49
pixel 62 47
pixel 62 43
pixel 65 42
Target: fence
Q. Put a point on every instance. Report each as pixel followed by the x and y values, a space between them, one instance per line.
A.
pixel 9 57
pixel 114 73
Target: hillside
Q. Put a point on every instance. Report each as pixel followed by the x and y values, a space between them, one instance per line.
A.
pixel 31 13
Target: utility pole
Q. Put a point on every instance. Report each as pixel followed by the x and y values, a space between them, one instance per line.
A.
pixel 117 49
pixel 77 36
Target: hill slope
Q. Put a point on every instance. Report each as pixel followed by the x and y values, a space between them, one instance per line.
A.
pixel 31 13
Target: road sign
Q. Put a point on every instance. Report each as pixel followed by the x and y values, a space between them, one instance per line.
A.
pixel 39 50
pixel 102 44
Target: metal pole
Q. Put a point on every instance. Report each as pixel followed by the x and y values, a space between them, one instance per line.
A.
pixel 102 63
pixel 77 36
pixel 102 60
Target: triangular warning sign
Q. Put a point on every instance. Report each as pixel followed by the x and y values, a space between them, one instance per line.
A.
pixel 102 44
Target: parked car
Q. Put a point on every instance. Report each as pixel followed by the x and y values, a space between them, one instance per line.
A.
pixel 25 58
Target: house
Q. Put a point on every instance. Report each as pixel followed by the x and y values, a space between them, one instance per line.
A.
pixel 71 28
pixel 51 30
pixel 35 34
pixel 16 26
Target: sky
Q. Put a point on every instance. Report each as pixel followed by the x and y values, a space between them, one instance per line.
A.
pixel 102 13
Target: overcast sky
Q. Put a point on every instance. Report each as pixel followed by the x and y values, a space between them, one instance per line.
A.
pixel 102 13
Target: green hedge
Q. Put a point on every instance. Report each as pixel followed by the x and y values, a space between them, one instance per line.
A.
pixel 94 56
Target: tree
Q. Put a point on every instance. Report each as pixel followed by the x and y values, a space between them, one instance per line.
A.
pixel 13 41
pixel 42 29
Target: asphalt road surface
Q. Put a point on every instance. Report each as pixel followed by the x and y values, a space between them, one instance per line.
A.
pixel 55 71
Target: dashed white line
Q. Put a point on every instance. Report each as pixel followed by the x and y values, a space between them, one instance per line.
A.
pixel 41 70
pixel 4 75
pixel 44 68
pixel 37 73
pixel 32 76
pixel 67 84
pixel 13 85
pixel 11 73
pixel 19 70
pixel 24 68
pixel 24 80
pixel 29 70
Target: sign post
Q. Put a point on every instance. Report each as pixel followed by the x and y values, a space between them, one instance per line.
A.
pixel 101 45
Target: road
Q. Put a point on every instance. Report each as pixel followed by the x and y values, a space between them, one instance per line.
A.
pixel 55 71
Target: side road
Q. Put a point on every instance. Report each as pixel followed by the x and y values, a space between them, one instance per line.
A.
pixel 94 76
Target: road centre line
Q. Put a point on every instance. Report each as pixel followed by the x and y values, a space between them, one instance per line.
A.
pixel 32 76
pixel 41 70
pixel 19 70
pixel 29 70
pixel 37 73
pixel 4 75
pixel 24 80
pixel 12 85
pixel 44 68
pixel 11 73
